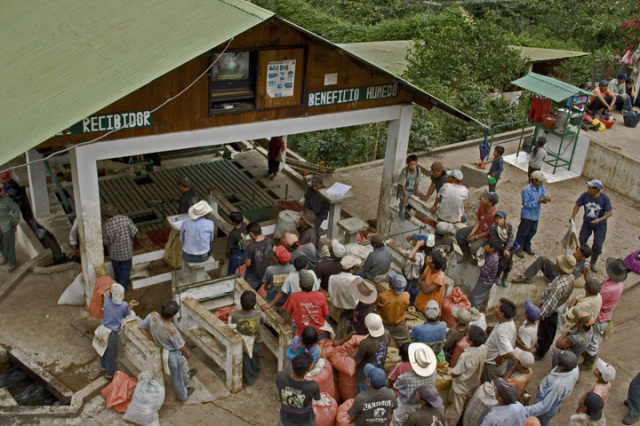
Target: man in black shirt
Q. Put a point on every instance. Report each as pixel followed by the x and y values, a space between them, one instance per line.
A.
pixel 297 394
pixel 189 196
pixel 314 201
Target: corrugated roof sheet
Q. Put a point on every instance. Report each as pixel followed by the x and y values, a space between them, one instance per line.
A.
pixel 549 87
pixel 538 54
pixel 388 55
pixel 64 60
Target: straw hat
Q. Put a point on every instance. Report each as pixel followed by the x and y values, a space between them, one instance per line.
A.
pixel 363 290
pixel 199 209
pixel 566 263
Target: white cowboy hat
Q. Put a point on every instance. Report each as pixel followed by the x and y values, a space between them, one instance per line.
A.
pixel 423 360
pixel 199 209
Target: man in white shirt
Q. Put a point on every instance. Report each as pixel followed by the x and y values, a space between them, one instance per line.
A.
pixel 501 341
pixel 449 204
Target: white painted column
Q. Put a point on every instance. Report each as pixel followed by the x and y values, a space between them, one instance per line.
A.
pixel 87 206
pixel 284 154
pixel 394 161
pixel 39 196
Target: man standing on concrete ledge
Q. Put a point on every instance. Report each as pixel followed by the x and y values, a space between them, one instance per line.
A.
pixel 449 204
pixel 533 195
pixel 597 209
pixel 117 234
pixel 196 234
pixel 9 219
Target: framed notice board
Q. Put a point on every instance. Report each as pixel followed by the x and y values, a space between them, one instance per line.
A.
pixel 280 77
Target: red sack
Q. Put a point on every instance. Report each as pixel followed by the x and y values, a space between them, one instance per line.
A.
pixel 224 314
pixel 324 378
pixel 326 347
pixel 457 299
pixel 342 418
pixel 460 347
pixel 353 344
pixel 325 410
pixel 342 362
pixel 346 385
pixel 119 392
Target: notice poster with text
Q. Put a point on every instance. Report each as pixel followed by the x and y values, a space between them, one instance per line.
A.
pixel 280 78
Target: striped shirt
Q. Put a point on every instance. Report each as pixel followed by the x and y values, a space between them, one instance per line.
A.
pixel 116 235
pixel 489 269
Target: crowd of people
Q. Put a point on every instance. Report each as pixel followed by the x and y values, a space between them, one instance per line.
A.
pixel 445 368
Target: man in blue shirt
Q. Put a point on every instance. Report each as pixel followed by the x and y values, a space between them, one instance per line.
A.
pixel 114 311
pixel 555 387
pixel 597 209
pixel 532 196
pixel 196 234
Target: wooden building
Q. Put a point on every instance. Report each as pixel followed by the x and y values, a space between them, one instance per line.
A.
pixel 268 77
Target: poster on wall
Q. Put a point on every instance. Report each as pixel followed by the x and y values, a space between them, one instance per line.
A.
pixel 280 78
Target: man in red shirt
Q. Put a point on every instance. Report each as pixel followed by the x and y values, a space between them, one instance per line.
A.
pixel 604 98
pixel 610 292
pixel 471 238
pixel 307 307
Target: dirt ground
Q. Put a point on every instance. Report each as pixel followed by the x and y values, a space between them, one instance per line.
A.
pixel 59 336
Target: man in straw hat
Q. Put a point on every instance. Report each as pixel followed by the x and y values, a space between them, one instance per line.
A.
pixel 555 295
pixel 423 372
pixel 196 234
pixel 117 233
pixel 508 412
pixel 611 291
pixel 597 209
pixel 555 387
pixel 365 293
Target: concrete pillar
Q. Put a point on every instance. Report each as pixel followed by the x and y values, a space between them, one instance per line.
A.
pixel 87 206
pixel 394 161
pixel 39 196
pixel 284 154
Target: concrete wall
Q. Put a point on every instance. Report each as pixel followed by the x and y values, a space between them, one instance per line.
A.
pixel 617 172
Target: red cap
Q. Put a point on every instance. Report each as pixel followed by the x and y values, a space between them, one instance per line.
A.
pixel 5 175
pixel 283 254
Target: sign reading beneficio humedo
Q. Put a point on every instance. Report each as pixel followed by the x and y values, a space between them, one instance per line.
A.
pixel 355 94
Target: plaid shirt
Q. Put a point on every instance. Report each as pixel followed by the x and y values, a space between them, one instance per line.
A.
pixel 9 213
pixel 409 382
pixel 116 235
pixel 556 293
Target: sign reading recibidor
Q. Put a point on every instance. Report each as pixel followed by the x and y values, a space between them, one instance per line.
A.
pixel 108 122
pixel 355 94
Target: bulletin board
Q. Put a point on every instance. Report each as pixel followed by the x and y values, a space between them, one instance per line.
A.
pixel 280 77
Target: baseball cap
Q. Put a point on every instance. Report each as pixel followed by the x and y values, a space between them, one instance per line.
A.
pixel 531 310
pixel 306 279
pixel 462 315
pixel 456 174
pixel 525 357
pixel 603 83
pixel 538 175
pixel 290 238
pixel 5 175
pixel 317 180
pixel 117 293
pixel 565 359
pixel 594 404
pixel 283 254
pixel 432 310
pixel 583 317
pixel 374 325
pixel 507 391
pixel 595 183
pixel 492 197
pixel 606 370
pixel 376 239
pixel 501 213
pixel 430 394
pixel 376 375
pixel 398 281
pixel 339 250
pixel 183 180
pixel 622 76
pixel 593 285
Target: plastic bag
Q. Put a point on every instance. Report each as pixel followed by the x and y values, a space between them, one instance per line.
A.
pixel 173 250
pixel 627 58
pixel 457 299
pixel 118 393
pixel 224 314
pixel 342 418
pixel 74 294
pixel 631 118
pixel 287 222
pixel 147 399
pixel 570 240
pixel 325 410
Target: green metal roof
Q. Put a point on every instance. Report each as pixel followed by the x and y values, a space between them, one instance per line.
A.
pixel 548 87
pixel 64 60
pixel 388 55
pixel 538 54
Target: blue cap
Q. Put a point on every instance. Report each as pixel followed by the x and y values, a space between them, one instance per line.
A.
pixel 622 76
pixel 595 183
pixel 377 377
pixel 501 213
pixel 531 310
pixel 603 83
pixel 398 282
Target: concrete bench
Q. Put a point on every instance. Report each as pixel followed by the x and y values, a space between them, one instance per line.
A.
pixel 194 272
pixel 351 227
pixel 139 351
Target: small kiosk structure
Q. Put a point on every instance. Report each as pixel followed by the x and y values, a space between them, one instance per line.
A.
pixel 556 111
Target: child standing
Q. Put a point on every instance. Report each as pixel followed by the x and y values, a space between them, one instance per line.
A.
pixel 605 374
pixel 487 275
pixel 504 234
pixel 408 182
pixel 257 256
pixel 248 321
pixel 537 156
pixel 306 342
pixel 497 166
pixel 466 374
pixel 401 367
pixel 528 332
pixel 520 374
pixel 235 242
pixel 275 275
